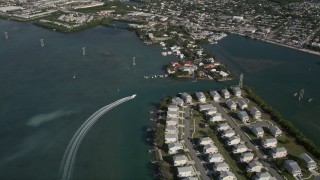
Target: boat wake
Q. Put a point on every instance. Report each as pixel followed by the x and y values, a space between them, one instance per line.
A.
pixel 70 153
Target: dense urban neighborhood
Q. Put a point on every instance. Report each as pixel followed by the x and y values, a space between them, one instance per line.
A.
pixel 223 134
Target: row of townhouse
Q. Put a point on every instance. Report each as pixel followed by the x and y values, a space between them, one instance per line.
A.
pixel 211 112
pixel 213 156
pixel 294 168
pixel 259 132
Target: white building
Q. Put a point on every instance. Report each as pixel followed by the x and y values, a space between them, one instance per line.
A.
pixel 205 140
pixel 225 93
pixel 172 114
pixel 254 166
pixel 239 148
pixel 206 107
pixel 222 166
pixel 170 138
pixel 231 105
pixel 257 131
pixel 173 107
pixel 227 175
pixel 236 91
pixel 246 157
pixel 269 143
pixel 278 152
pixel 243 116
pixel 215 95
pixel 186 171
pixel 228 133
pixel 293 167
pixel 180 160
pixel 242 105
pixel 201 97
pixel 173 148
pixel 263 176
pixel 177 101
pixel 172 121
pixel 216 117
pixel 210 149
pixel 311 164
pixel 171 130
pixel 215 158
pixel 275 131
pixel 255 113
pixel 223 127
pixel 211 111
pixel 186 97
pixel 233 140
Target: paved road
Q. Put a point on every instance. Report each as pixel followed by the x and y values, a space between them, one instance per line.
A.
pixel 189 145
pixel 245 138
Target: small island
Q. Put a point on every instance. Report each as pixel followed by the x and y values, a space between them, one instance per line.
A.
pixel 229 133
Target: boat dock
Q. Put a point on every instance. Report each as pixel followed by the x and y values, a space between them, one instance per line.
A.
pixel 155 76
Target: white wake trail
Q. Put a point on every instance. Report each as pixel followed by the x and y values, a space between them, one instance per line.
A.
pixel 69 156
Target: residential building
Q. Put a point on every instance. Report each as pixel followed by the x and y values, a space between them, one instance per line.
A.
pixel 311 164
pixel 177 101
pixel 242 105
pixel 246 157
pixel 186 171
pixel 243 116
pixel 215 95
pixel 254 166
pixel 227 175
pixel 269 143
pixel 186 97
pixel 172 121
pixel 216 117
pixel 275 131
pixel 222 166
pixel 228 133
pixel 170 138
pixel 205 140
pixel 211 111
pixel 236 91
pixel 231 105
pixel 255 113
pixel 293 167
pixel 180 160
pixel 225 93
pixel 201 97
pixel 263 176
pixel 191 178
pixel 223 127
pixel 239 148
pixel 171 130
pixel 210 149
pixel 172 114
pixel 173 107
pixel 173 148
pixel 257 131
pixel 278 152
pixel 233 140
pixel 215 158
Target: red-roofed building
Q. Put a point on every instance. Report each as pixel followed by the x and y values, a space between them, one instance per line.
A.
pixel 188 63
pixel 175 64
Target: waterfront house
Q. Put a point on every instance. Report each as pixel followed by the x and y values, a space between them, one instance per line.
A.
pixel 275 131
pixel 171 130
pixel 227 175
pixel 236 91
pixel 243 116
pixel 239 148
pixel 278 152
pixel 246 157
pixel 216 117
pixel 206 107
pixel 186 171
pixel 180 160
pixel 177 101
pixel 263 176
pixel 233 140
pixel 311 164
pixel 186 97
pixel 215 95
pixel 223 127
pixel 170 138
pixel 172 121
pixel 173 148
pixel 293 167
pixel 257 131
pixel 225 93
pixel 210 149
pixel 201 97
pixel 231 105
pixel 269 143
pixel 172 114
pixel 205 140
pixel 228 133
pixel 255 113
pixel 254 166
pixel 173 107
pixel 222 166
pixel 242 105
pixel 215 158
